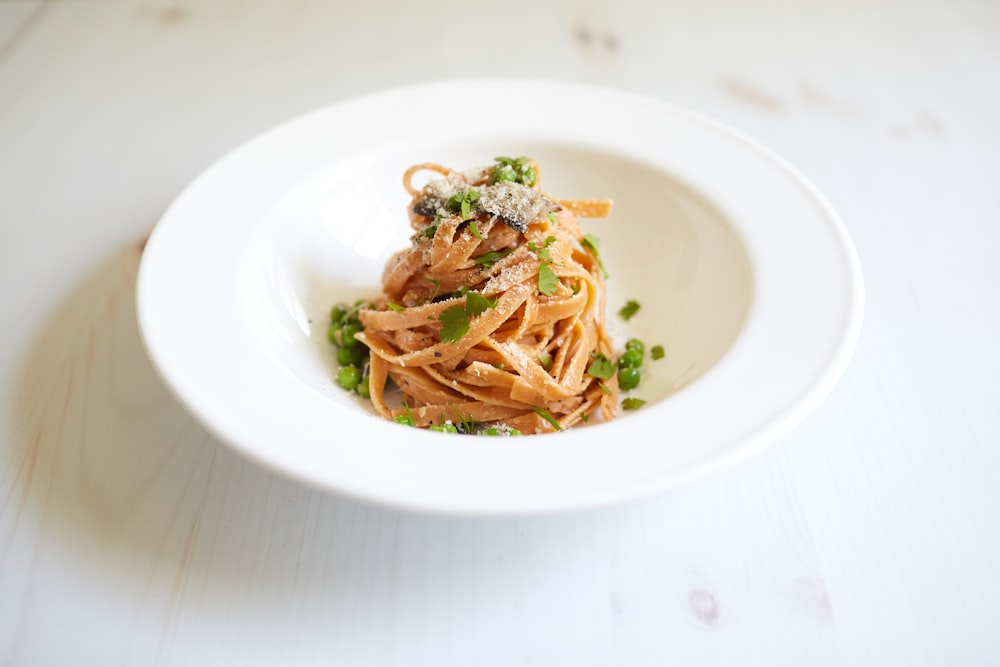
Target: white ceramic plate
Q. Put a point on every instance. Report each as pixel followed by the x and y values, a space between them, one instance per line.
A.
pixel 745 275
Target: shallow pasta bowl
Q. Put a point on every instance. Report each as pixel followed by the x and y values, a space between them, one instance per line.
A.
pixel 744 273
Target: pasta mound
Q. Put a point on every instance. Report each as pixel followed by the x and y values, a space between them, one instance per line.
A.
pixel 496 311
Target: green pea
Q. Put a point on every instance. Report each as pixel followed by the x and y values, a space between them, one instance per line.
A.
pixel 514 431
pixel 443 428
pixel 352 356
pixel 406 420
pixel 338 313
pixel 349 377
pixel 504 172
pixel 656 352
pixel 364 388
pixel 347 334
pixel 492 430
pixel 630 359
pixel 635 344
pixel 628 378
pixel 529 176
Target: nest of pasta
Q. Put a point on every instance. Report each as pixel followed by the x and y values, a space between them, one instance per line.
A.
pixel 495 313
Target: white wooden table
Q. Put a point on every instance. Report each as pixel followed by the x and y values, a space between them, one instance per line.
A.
pixel 870 535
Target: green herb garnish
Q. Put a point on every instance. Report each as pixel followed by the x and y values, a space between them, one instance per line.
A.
pixel 543 251
pixel 593 243
pixel 490 258
pixel 394 306
pixel 463 202
pixel 632 403
pixel 656 352
pixel 467 423
pixel 454 324
pixel 544 414
pixel 629 310
pixel 475 230
pixel 545 360
pixel 407 419
pixel 601 367
pixel 547 279
pixel 476 303
pixel 455 321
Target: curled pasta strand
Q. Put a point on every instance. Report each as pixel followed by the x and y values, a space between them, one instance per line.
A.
pixel 425 166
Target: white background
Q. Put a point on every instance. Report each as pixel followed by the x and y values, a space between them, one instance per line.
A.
pixel 869 535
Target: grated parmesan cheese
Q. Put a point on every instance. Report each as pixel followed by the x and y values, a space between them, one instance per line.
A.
pixel 515 204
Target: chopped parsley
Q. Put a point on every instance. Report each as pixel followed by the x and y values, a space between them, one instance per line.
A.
pixel 629 310
pixel 476 303
pixel 430 230
pixel 463 202
pixel 547 416
pixel 455 321
pixel 514 170
pixel 490 258
pixel 592 243
pixel 547 279
pixel 454 324
pixel 394 306
pixel 632 403
pixel 475 230
pixel 601 367
pixel 543 251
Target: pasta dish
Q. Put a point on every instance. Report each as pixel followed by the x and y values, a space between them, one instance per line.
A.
pixel 494 317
